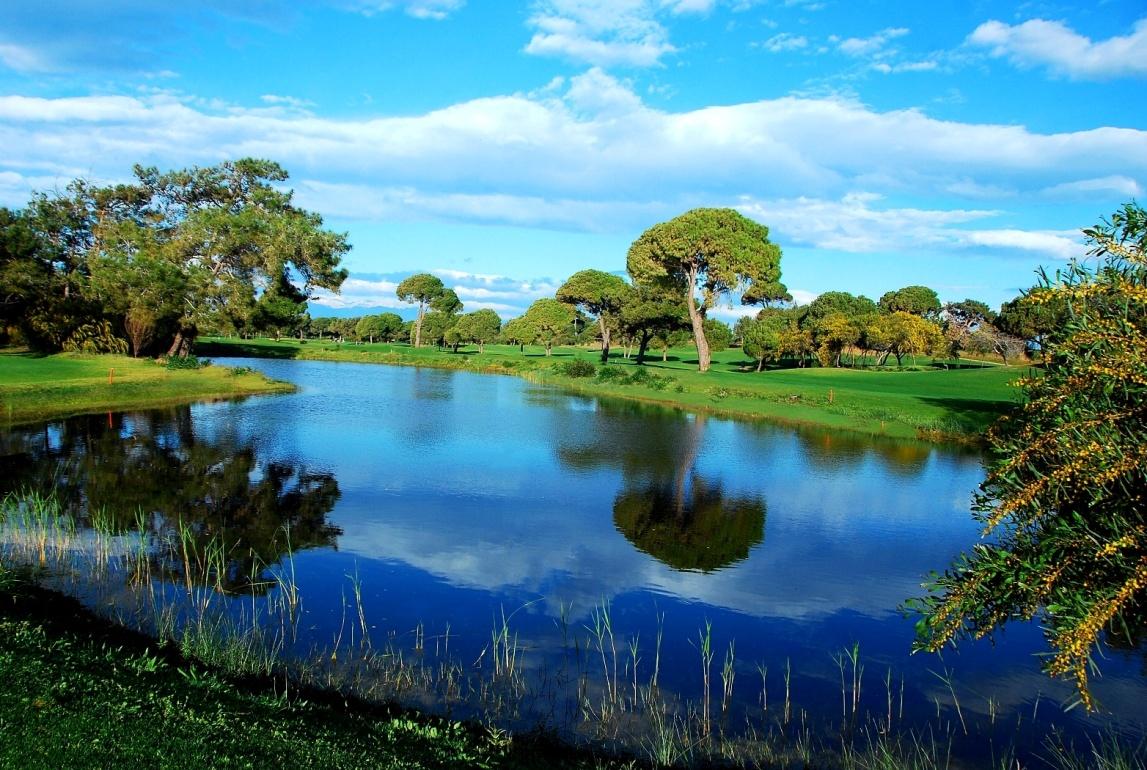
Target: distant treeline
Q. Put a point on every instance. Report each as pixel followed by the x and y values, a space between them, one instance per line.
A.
pixel 146 267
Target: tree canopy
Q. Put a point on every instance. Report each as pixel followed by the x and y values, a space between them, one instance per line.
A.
pixel 479 327
pixel 167 254
pixel 711 251
pixel 427 291
pixel 546 321
pixel 600 294
pixel 917 300
pixel 1063 499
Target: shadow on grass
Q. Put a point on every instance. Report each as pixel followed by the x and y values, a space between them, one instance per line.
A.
pixel 243 349
pixel 971 415
pixel 21 352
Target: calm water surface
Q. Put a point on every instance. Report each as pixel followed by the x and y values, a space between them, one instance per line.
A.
pixel 457 497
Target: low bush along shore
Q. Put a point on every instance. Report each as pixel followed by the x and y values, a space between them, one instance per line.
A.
pixel 35 388
pixel 933 401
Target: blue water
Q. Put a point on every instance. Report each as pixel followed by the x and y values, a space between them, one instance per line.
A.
pixel 462 498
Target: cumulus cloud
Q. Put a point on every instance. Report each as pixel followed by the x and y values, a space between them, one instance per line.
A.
pixel 855 224
pixel 600 32
pixel 585 154
pixel 1118 184
pixel 508 296
pixel 1062 50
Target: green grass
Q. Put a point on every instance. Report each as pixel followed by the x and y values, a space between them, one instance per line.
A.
pixel 76 691
pixel 34 388
pixel 931 403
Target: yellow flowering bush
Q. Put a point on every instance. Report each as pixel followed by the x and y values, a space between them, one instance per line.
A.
pixel 1064 505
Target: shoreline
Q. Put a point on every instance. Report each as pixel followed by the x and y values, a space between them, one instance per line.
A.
pixel 41 388
pixel 795 398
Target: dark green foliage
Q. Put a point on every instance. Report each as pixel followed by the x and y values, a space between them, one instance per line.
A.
pixel 427 292
pixel 601 294
pixel 186 362
pixel 719 335
pixel 917 300
pixel 638 376
pixel 711 251
pixel 579 367
pixel 219 247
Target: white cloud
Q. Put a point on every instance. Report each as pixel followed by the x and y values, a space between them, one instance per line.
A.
pixel 360 293
pixel 785 41
pixel 870 46
pixel 419 9
pixel 600 32
pixel 1060 244
pixel 23 59
pixel 689 6
pixel 286 101
pixel 925 65
pixel 585 155
pixel 854 224
pixel 1052 44
pixel 1118 184
pixel 505 295
pixel 803 297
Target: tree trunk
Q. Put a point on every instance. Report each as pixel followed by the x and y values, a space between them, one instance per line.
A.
pixel 760 364
pixel 604 339
pixel 184 339
pixel 641 348
pixel 549 348
pixel 418 325
pixel 697 319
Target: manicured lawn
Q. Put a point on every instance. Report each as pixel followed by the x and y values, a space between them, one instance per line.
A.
pixel 36 388
pixel 931 403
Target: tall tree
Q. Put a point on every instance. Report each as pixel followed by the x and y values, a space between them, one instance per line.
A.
pixel 232 231
pixel 1063 499
pixel 479 327
pixel 917 300
pixel 421 289
pixel 546 321
pixel 711 251
pixel 1034 322
pixel 600 294
pixel 764 339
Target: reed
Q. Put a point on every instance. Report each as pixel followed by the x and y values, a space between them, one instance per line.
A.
pixel 170 580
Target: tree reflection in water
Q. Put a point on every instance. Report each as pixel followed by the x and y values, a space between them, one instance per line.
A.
pixel 666 508
pixel 153 469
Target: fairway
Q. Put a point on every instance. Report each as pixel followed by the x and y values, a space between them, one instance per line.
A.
pixel 43 387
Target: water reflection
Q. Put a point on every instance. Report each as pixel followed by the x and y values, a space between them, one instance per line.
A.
pixel 690 524
pixel 154 470
pixel 666 508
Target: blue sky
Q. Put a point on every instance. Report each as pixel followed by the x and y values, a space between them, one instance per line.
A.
pixel 506 145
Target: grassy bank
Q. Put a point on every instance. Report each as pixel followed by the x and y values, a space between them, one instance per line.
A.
pixel 76 691
pixel 34 388
pixel 932 403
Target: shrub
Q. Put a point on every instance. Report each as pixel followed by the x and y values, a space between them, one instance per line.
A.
pixel 95 337
pixel 579 367
pixel 611 374
pixel 187 362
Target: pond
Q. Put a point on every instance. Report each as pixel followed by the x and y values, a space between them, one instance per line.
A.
pixel 594 547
